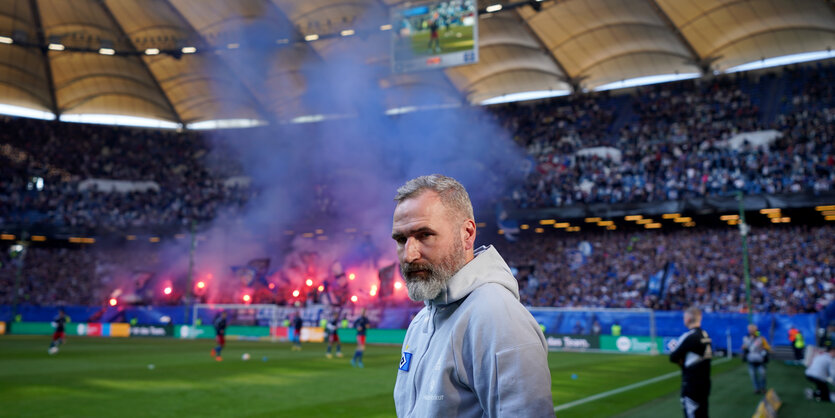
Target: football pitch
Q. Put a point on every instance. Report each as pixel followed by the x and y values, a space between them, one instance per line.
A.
pixel 165 377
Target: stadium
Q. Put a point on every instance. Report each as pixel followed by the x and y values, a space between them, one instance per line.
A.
pixel 197 199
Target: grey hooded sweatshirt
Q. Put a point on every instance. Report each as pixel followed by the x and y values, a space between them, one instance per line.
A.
pixel 475 351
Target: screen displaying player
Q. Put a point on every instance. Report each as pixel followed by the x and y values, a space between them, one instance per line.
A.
pixel 434 34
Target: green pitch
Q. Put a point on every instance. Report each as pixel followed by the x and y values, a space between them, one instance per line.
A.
pixel 105 377
pixel 452 39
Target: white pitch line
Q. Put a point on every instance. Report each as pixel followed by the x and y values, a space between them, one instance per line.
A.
pixel 626 388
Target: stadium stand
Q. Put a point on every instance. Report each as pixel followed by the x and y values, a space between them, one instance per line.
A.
pixel 671 142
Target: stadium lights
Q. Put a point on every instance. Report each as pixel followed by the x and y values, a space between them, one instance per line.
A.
pixel 347 32
pixel 25 112
pixel 611 227
pixel 733 222
pixel 7 237
pixel 644 221
pixel 152 51
pixel 56 47
pixel 539 230
pixel 130 237
pixel 524 96
pixel 233 45
pixel 830 218
pixel 188 50
pixel 153 239
pixel 547 222
pixel 775 215
pixel 682 220
pixel 120 120
pixel 311 37
pixel 652 226
pixel 647 80
pixel 107 51
pixel 562 225
pixel 500 232
pixel 322 237
pixel 782 60
pixel 493 8
pixel 573 229
pixel 767 211
pixel 670 215
pixel 828 212
pixel 592 220
pixel 38 238
pixel 605 223
pixel 385 27
pixel 633 217
pixel 6 40
pixel 690 224
pixel 307 235
pixel 524 226
pixel 728 217
pixel 823 208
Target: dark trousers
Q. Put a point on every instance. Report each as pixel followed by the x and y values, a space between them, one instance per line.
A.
pixel 822 391
pixel 694 400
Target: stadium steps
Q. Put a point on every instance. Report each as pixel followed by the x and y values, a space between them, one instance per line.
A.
pixel 625 113
pixel 782 353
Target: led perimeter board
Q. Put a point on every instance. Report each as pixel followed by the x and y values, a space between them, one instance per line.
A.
pixel 434 34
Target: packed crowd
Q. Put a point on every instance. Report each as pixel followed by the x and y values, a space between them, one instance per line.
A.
pixel 49 277
pixel 670 141
pixel 677 146
pixel 792 269
pixel 45 164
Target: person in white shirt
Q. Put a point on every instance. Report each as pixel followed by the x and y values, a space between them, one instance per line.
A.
pixel 822 372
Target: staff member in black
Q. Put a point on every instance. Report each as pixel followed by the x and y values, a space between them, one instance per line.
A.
pixel 693 353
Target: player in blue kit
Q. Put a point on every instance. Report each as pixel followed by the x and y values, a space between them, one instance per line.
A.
pixel 361 325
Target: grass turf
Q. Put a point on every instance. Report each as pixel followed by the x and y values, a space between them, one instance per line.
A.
pixel 99 377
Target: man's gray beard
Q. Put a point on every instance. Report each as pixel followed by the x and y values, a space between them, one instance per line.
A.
pixel 428 288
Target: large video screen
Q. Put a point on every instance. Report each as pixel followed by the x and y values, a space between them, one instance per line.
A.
pixel 434 34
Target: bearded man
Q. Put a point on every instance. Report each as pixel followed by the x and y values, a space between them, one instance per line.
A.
pixel 473 350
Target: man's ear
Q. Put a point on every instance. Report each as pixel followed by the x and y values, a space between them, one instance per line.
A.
pixel 468 234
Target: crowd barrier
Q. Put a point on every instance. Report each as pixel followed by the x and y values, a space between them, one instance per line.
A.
pixel 560 327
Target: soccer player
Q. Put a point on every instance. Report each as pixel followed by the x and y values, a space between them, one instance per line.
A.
pixel 58 335
pixel 332 329
pixel 361 325
pixel 220 334
pixel 297 332
pixel 693 353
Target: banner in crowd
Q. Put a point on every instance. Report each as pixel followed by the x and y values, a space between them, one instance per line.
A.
pixel 2 327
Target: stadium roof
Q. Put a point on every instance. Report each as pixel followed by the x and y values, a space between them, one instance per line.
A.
pixel 77 58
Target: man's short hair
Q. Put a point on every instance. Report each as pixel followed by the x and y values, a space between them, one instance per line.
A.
pixel 453 195
pixel 694 312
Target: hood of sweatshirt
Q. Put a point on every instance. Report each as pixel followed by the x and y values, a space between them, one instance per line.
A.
pixel 487 267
